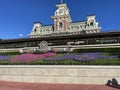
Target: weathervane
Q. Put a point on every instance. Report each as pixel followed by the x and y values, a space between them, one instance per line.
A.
pixel 61 1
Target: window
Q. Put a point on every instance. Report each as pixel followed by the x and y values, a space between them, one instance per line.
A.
pixel 91 23
pixel 72 27
pixel 68 28
pixel 60 25
pixel 35 30
pixel 77 27
pixel 48 30
pixel 81 26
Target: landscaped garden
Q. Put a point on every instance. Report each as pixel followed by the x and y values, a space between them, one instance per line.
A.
pixel 77 57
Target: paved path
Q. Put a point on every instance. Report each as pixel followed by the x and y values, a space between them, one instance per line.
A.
pixel 38 86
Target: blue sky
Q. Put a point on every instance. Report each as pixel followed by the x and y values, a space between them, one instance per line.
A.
pixel 17 16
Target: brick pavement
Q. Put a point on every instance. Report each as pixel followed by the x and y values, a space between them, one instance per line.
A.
pixel 43 86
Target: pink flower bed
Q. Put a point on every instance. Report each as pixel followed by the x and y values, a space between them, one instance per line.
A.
pixel 30 57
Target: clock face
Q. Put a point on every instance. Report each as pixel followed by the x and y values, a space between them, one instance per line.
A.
pixel 61 11
pixel 43 45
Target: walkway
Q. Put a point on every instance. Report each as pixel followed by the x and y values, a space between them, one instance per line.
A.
pixel 38 86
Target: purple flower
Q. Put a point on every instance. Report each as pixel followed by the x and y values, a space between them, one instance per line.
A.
pixel 7 57
pixel 81 57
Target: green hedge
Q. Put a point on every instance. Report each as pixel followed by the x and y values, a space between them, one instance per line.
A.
pixel 9 53
pixel 68 62
pixel 103 50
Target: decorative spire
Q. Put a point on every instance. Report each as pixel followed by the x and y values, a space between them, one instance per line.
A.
pixel 61 1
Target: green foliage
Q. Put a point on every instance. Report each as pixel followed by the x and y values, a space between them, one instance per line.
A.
pixel 68 62
pixel 9 53
pixel 38 52
pixel 102 50
pixel 4 62
pixel 62 52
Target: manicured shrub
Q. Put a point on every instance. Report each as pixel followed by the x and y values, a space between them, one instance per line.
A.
pixel 102 50
pixel 9 53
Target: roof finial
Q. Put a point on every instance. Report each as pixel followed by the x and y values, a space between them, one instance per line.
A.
pixel 61 1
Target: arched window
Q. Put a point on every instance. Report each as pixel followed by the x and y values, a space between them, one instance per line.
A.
pixel 35 30
pixel 60 25
pixel 91 23
pixel 56 13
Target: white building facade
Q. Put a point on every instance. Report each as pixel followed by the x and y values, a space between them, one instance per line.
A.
pixel 64 26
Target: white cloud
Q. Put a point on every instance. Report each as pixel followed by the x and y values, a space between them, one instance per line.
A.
pixel 20 35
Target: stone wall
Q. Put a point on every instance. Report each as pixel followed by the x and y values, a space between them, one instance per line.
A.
pixel 60 74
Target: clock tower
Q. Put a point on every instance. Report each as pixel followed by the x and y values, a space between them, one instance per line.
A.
pixel 61 17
